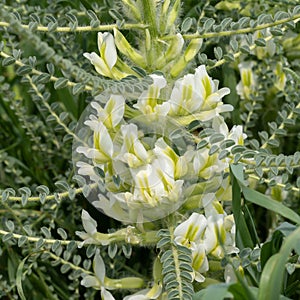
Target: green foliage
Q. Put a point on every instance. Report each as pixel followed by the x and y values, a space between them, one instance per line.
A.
pixel 45 85
pixel 176 267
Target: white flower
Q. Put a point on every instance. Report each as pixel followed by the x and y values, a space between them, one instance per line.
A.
pixel 215 235
pixel 207 166
pixel 198 94
pixel 209 89
pixel 190 230
pixel 211 235
pixel 98 281
pixel 152 186
pixel 200 261
pixel 211 205
pixel 146 294
pixel 172 164
pixel 152 194
pixel 220 235
pixel 190 234
pixel 103 145
pixel 236 134
pixel 113 112
pixel 185 98
pixel 90 227
pixel 229 225
pixel 86 169
pixel 149 102
pixel 108 54
pixel 132 152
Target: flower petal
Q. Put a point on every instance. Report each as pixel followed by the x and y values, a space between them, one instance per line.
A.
pixel 190 230
pixel 89 224
pixel 99 266
pixel 108 49
pixel 114 109
pixel 99 63
pixel 106 295
pixel 90 281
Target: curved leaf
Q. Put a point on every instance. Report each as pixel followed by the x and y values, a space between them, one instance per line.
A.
pixel 274 270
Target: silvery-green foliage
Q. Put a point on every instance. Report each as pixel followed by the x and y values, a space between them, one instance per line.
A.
pixel 47 251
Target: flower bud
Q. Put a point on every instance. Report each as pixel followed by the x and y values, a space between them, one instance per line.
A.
pixel 172 16
pixel 280 76
pixel 192 49
pixel 247 85
pixel 133 9
pixel 174 48
pixel 189 53
pixel 124 46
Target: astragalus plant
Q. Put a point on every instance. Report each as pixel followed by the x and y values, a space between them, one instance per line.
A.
pixel 149 150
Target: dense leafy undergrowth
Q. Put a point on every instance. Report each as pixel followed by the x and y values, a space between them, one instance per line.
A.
pixel 149 149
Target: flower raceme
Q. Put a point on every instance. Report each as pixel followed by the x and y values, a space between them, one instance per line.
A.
pixel 140 165
pixel 145 159
pixel 206 235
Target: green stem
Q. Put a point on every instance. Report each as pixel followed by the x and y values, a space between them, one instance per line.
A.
pixel 207 35
pixel 150 16
pixel 122 235
pixel 281 185
pixel 149 10
pixel 282 125
pixel 176 262
pixel 80 28
pixel 36 72
pixel 130 235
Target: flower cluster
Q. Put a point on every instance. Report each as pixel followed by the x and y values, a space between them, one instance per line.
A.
pixel 171 57
pixel 210 234
pixel 138 151
pixel 148 177
pixel 145 162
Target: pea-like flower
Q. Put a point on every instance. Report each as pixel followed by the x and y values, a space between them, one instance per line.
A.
pixel 149 101
pixel 198 94
pixel 86 169
pixel 213 234
pixel 200 261
pixel 190 230
pixel 152 188
pixel 132 152
pixel 103 144
pixel 207 165
pixel 90 227
pixel 173 164
pixel 113 111
pixel 106 63
pixel 153 185
pixel 146 294
pixel 219 235
pixel 98 281
pixel 108 54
